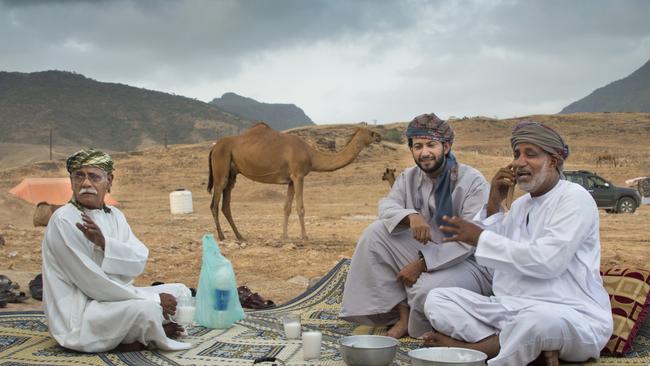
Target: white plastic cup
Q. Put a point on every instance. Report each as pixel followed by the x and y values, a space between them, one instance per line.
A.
pixel 311 345
pixel 291 323
pixel 185 309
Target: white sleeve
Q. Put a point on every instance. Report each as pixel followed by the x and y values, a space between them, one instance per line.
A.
pixel 126 256
pixel 72 251
pixel 566 227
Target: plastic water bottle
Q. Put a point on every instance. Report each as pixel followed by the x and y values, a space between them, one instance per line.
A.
pixel 222 295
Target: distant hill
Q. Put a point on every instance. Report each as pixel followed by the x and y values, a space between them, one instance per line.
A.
pixel 631 94
pixel 278 116
pixel 85 112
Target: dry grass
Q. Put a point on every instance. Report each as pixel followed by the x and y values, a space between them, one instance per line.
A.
pixel 339 205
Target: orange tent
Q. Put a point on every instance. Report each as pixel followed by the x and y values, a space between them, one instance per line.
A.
pixel 55 191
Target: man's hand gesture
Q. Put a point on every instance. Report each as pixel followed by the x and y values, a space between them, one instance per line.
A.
pixel 411 272
pixel 420 228
pixel 499 187
pixel 168 303
pixel 461 230
pixel 91 231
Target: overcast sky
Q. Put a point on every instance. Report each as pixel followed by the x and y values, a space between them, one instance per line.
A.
pixel 341 60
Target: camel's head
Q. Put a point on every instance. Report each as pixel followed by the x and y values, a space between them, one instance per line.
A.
pixel 388 173
pixel 369 136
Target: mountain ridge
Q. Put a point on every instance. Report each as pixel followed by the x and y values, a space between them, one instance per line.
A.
pixel 280 116
pixel 630 94
pixel 83 111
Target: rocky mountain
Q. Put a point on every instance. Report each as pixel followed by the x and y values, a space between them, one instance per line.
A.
pixel 84 112
pixel 630 94
pixel 278 116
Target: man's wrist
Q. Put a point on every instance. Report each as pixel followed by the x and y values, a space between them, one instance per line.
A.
pixel 492 207
pixel 423 262
pixel 477 237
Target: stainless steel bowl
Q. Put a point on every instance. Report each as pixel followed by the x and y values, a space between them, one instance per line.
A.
pixel 368 350
pixel 446 356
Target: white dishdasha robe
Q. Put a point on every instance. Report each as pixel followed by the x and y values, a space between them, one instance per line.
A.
pixel 548 293
pixel 89 299
pixel 371 289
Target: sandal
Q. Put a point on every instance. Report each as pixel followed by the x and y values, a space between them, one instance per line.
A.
pixel 36 287
pixel 8 291
pixel 3 300
pixel 251 300
pixel 13 296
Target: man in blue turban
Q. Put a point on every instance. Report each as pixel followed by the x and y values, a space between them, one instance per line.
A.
pixel 400 257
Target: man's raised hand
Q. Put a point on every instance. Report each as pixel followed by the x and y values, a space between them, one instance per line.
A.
pixel 91 231
pixel 499 187
pixel 461 230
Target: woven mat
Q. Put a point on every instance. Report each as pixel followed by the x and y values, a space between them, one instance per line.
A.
pixel 24 339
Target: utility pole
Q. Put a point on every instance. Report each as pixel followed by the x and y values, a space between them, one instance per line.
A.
pixel 50 143
pixel 165 140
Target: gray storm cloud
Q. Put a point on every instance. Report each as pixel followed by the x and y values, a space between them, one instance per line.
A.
pixel 340 60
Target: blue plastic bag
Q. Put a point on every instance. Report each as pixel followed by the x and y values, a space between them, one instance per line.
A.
pixel 217 301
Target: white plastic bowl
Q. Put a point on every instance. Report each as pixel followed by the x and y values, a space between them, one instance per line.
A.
pixel 446 356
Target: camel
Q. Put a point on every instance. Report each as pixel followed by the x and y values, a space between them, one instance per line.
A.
pixel 389 175
pixel 267 156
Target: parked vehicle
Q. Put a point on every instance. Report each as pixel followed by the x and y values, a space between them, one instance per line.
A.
pixel 608 196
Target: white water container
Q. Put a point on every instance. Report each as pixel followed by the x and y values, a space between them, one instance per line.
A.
pixel 180 201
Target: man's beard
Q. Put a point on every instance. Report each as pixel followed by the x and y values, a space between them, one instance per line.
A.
pixel 536 181
pixel 435 167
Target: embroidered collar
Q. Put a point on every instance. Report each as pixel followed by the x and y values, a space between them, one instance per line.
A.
pixel 80 207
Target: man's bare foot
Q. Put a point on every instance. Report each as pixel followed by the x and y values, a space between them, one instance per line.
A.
pixel 489 346
pixel 547 358
pixel 130 347
pixel 401 328
pixel 398 330
pixel 435 339
pixel 551 358
pixel 173 330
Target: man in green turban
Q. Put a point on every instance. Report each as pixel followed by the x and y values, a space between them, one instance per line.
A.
pixel 90 259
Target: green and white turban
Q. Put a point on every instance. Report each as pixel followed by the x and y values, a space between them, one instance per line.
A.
pixel 91 157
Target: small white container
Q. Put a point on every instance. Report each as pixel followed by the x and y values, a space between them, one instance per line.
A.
pixel 292 326
pixel 311 345
pixel 180 201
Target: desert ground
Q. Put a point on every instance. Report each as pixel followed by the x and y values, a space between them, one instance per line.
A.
pixel 339 204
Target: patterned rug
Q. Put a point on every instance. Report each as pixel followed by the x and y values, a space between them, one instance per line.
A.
pixel 24 339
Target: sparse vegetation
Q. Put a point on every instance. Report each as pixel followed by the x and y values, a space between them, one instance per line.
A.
pixel 84 112
pixel 339 205
pixel 394 135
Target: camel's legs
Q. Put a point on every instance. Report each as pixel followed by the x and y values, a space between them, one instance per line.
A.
pixel 214 207
pixel 287 209
pixel 225 208
pixel 300 207
pixel 219 169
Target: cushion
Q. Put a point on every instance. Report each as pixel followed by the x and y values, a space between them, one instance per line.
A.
pixel 629 294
